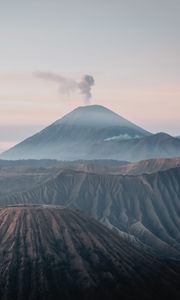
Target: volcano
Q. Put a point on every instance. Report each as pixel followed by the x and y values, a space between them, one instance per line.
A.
pixel 73 136
pixel 94 132
pixel 51 253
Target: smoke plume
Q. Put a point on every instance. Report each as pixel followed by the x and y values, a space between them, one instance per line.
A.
pixel 68 85
pixel 85 86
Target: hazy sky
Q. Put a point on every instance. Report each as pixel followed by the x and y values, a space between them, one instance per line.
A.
pixel 130 47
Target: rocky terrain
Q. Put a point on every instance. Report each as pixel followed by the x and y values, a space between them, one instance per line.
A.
pixel 123 177
pixel 145 207
pixel 23 175
pixel 148 166
pixel 50 253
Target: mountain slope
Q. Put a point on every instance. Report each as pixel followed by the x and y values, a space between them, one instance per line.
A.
pixel 23 175
pixel 146 206
pixel 72 136
pixel 95 132
pixel 49 253
pixel 147 166
pixel 160 145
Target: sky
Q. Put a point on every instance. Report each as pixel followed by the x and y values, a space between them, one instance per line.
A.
pixel 131 48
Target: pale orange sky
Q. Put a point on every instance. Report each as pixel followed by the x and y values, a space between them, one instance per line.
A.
pixel 131 48
pixel 32 103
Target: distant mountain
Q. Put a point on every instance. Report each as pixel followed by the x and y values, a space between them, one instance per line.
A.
pixel 144 207
pixel 50 254
pixel 160 145
pixel 73 136
pixel 95 132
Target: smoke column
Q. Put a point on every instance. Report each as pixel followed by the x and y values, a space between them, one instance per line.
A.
pixel 68 85
pixel 85 86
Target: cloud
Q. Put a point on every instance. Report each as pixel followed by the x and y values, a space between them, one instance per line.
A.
pixel 121 137
pixel 68 85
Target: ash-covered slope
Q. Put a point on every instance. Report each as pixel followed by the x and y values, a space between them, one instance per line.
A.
pixel 72 136
pixel 25 175
pixel 22 175
pixel 49 253
pixel 148 166
pixel 160 145
pixel 145 206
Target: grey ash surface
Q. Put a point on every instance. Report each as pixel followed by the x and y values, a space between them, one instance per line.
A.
pixel 50 253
